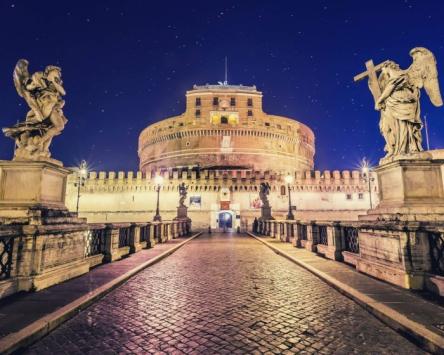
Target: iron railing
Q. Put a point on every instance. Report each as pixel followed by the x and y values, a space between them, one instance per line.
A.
pixel 302 232
pixel 94 242
pixel 436 243
pixel 351 239
pixel 323 239
pixel 6 248
pixel 144 233
pixel 124 237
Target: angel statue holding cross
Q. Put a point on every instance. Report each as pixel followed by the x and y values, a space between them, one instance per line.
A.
pixel 43 92
pixel 396 93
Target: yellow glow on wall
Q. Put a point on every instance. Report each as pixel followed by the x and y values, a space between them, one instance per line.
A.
pixel 219 117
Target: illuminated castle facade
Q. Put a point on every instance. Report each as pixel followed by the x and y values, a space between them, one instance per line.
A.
pixel 224 126
pixel 223 146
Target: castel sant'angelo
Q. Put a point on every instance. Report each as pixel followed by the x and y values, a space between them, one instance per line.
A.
pixel 223 147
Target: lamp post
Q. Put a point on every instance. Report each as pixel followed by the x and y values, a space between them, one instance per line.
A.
pixel 82 173
pixel 289 180
pixel 158 181
pixel 365 169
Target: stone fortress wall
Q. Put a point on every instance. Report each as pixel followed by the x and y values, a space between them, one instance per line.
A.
pixel 223 147
pixel 225 125
pixel 131 197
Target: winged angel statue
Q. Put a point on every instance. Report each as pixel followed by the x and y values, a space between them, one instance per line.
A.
pixel 397 94
pixel 43 93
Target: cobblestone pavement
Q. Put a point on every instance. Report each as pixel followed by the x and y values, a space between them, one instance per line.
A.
pixel 223 294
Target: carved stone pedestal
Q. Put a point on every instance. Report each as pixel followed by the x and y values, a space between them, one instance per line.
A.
pixel 46 243
pixel 410 190
pixel 394 238
pixel 266 213
pixel 31 185
pixel 182 212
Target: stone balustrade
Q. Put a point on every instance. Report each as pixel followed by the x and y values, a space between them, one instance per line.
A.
pixel 408 254
pixel 36 257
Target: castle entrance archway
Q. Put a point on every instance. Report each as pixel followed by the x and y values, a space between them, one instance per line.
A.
pixel 225 220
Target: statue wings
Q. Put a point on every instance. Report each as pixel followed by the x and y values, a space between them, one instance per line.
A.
pixel 21 78
pixel 423 73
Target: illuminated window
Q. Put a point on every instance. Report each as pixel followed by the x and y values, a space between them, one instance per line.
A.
pixel 250 102
pixel 250 113
pixel 232 101
pixel 198 101
pixel 215 101
pixel 197 113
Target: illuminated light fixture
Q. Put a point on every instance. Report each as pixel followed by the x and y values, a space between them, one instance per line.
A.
pixel 158 181
pixel 289 181
pixel 82 174
pixel 366 168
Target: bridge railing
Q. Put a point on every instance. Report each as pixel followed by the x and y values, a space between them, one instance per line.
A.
pixel 335 240
pixel 394 251
pixel 28 252
pixel 112 241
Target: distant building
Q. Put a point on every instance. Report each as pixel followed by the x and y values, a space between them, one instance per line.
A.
pixel 223 146
pixel 224 126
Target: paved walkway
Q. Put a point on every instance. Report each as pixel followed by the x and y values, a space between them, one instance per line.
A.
pixel 223 294
pixel 33 310
pixel 407 311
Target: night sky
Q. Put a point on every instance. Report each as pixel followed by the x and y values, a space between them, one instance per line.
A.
pixel 127 64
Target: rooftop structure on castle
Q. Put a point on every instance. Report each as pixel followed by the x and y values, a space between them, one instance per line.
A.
pixel 224 126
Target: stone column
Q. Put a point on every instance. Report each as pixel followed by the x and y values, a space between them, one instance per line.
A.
pixel 168 230
pixel 283 231
pixel 334 238
pixel 290 232
pixel 173 229
pixel 111 243
pixel 297 234
pixel 135 245
pixel 151 242
pixel 312 236
pixel 269 228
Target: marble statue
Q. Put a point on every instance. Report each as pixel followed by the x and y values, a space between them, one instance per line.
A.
pixel 264 191
pixel 183 194
pixel 397 98
pixel 43 92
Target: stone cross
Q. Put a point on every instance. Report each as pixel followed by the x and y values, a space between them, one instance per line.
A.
pixel 372 78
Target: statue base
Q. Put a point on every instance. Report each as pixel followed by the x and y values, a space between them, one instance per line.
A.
pixel 31 185
pixel 48 240
pixel 182 212
pixel 266 213
pixel 410 189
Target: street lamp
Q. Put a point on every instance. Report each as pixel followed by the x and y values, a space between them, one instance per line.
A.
pixel 366 169
pixel 81 175
pixel 289 180
pixel 158 181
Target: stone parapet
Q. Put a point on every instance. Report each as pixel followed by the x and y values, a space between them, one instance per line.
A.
pixel 35 257
pixel 313 181
pixel 408 254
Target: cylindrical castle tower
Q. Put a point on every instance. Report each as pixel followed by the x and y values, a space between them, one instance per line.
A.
pixel 224 127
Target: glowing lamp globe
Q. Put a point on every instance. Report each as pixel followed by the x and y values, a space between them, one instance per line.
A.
pixel 289 179
pixel 158 180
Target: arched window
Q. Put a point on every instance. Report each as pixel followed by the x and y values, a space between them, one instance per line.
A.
pixel 283 190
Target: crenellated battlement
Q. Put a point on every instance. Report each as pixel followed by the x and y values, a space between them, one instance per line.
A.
pixel 340 181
